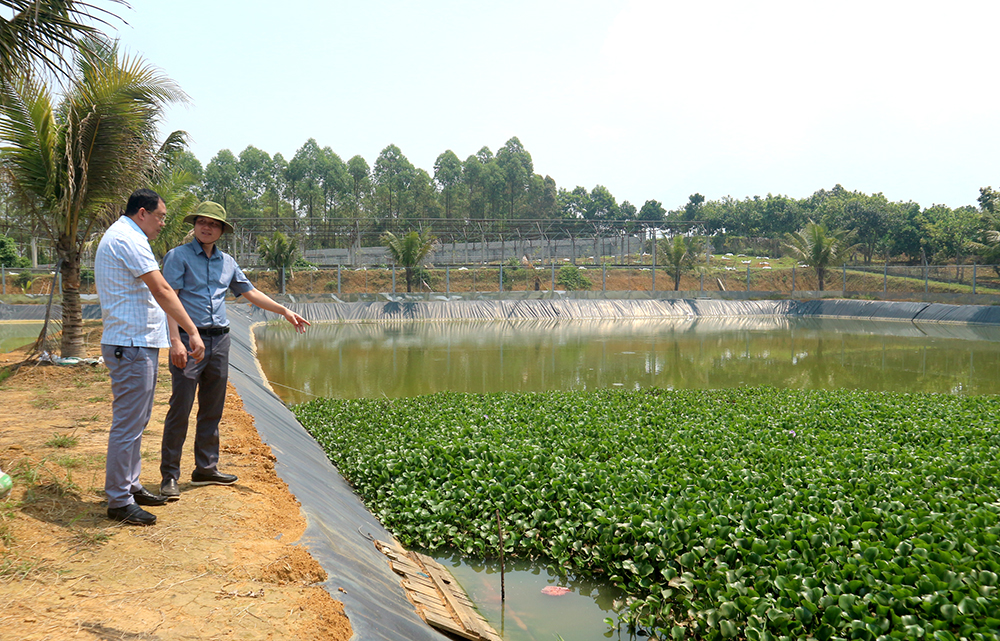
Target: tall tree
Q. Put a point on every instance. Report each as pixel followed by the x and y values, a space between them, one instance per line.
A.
pixel 360 173
pixel 448 175
pixel 305 172
pixel 652 212
pixel 516 166
pixel 74 163
pixel 393 174
pixel 254 179
pixel 222 177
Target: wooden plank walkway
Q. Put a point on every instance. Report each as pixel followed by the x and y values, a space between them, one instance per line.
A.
pixel 436 595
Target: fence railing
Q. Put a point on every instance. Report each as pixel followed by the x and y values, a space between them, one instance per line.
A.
pixel 725 281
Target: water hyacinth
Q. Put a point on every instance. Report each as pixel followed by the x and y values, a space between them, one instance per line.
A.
pixel 749 513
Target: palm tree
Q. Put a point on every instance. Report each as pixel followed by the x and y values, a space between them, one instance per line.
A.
pixel 176 186
pixel 679 252
pixel 820 248
pixel 73 164
pixel 40 31
pixel 279 253
pixel 409 251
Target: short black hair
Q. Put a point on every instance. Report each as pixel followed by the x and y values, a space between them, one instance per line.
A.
pixel 142 199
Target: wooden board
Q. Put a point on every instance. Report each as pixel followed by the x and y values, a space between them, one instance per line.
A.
pixel 436 595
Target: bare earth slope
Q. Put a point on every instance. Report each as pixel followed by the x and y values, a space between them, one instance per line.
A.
pixel 219 564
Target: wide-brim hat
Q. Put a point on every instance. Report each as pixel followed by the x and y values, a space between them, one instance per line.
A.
pixel 208 209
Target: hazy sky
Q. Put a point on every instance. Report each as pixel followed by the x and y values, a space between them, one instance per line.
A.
pixel 652 99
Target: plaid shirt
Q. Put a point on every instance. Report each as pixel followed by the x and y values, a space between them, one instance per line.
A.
pixel 132 317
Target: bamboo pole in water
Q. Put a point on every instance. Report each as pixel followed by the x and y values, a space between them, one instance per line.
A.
pixel 503 590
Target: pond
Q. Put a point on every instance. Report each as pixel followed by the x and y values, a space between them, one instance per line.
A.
pixel 16 334
pixel 355 360
pixel 359 360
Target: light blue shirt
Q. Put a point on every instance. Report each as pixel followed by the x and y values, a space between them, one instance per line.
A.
pixel 131 316
pixel 202 282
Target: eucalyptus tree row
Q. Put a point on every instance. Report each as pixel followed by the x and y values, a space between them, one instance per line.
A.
pixel 317 184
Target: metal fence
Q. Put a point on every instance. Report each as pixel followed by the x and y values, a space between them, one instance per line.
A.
pixel 979 283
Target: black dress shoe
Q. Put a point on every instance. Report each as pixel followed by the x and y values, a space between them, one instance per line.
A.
pixel 131 514
pixel 212 478
pixel 169 489
pixel 147 498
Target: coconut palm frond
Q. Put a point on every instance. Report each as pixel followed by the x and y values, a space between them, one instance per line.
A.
pixel 78 161
pixel 30 142
pixel 820 248
pixel 409 250
pixel 42 31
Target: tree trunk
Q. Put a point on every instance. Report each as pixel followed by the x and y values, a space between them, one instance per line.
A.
pixel 72 312
pixel 409 280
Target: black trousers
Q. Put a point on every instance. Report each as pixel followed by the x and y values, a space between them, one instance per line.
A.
pixel 206 380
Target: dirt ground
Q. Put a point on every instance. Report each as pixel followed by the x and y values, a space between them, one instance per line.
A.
pixel 219 564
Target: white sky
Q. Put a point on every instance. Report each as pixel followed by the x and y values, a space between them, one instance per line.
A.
pixel 652 99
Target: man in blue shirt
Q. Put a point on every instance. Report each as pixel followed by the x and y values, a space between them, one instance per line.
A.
pixel 201 274
pixel 133 298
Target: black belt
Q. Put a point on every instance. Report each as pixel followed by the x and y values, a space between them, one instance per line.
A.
pixel 210 331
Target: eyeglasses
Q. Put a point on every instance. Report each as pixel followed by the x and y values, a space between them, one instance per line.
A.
pixel 159 217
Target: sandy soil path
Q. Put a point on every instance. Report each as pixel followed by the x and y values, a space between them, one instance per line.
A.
pixel 220 563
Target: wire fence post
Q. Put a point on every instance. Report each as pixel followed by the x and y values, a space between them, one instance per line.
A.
pixel 338 281
pixel 3 271
pixel 447 279
pixel 654 263
pixel 553 290
pixel 845 280
pixel 793 279
pixel 394 278
pixel 925 279
pixel 501 278
pixel 748 279
pixel 973 279
pixel 604 277
pixel 885 279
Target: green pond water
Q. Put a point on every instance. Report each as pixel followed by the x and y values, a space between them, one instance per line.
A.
pixel 15 334
pixel 411 358
pixel 358 360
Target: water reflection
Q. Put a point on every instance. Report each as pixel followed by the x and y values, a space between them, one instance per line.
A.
pixel 353 360
pixel 528 614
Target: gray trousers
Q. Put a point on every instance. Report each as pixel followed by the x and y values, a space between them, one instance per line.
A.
pixel 133 384
pixel 207 379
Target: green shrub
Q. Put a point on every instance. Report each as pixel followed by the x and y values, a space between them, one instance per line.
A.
pixel 571 279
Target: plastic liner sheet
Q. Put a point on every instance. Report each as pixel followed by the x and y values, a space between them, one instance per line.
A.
pixel 865 309
pixel 37 312
pixel 980 314
pixel 742 308
pixel 373 597
pixel 493 310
